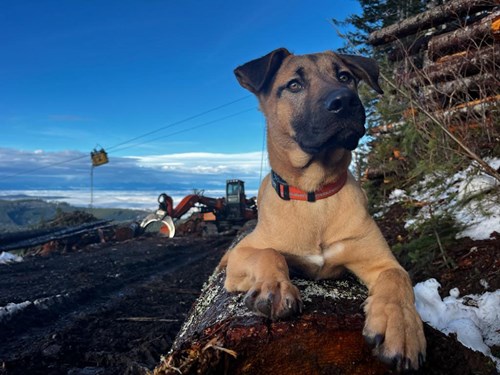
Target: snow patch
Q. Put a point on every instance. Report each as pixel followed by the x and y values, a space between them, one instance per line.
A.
pixel 13 308
pixel 481 219
pixel 7 258
pixel 469 196
pixel 475 319
pixel 397 195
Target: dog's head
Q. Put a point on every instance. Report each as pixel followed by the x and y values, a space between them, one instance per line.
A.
pixel 312 98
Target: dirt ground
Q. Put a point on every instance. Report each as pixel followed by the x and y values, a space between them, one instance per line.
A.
pixel 106 309
pixel 115 308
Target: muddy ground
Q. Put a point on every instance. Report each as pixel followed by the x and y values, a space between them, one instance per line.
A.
pixel 106 309
pixel 115 308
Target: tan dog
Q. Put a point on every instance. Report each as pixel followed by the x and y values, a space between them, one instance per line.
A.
pixel 312 212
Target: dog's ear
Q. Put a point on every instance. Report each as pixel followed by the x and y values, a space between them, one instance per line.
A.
pixel 256 75
pixel 364 68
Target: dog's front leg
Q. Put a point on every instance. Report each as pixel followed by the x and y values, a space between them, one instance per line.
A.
pixel 392 324
pixel 263 274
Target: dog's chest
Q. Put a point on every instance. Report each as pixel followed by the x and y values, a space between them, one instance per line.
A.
pixel 322 263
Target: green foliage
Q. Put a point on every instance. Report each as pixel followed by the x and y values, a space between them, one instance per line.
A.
pixel 377 14
pixel 428 243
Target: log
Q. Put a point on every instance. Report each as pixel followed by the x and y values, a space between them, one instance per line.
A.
pixel 495 28
pixel 461 65
pixel 372 174
pixel 473 36
pixel 220 336
pixel 411 46
pixel 462 90
pixel 379 130
pixel 478 107
pixel 449 11
pixel 480 82
pixel 402 51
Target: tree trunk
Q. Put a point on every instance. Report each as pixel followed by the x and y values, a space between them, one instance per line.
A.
pixel 220 336
pixel 456 66
pixel 449 11
pixel 486 84
pixel 476 36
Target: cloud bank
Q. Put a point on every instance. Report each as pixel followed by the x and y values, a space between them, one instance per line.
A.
pixel 35 170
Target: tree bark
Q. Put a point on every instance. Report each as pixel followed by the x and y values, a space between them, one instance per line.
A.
pixel 401 51
pixel 474 36
pixel 447 12
pixel 460 65
pixel 487 84
pixel 220 336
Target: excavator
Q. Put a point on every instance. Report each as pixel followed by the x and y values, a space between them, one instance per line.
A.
pixel 214 215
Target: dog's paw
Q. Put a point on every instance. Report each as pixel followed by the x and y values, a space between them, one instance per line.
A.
pixel 395 330
pixel 274 300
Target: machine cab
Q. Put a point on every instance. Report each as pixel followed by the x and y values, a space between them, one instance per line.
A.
pixel 235 191
pixel 235 199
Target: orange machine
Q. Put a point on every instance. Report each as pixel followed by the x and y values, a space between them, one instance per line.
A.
pixel 214 214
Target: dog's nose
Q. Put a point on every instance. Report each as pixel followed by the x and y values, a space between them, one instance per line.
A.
pixel 341 100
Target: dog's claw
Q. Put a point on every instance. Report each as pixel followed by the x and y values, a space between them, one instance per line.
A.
pixel 421 360
pixel 407 364
pixel 375 341
pixel 265 307
pixel 250 297
pixel 274 301
pixel 397 362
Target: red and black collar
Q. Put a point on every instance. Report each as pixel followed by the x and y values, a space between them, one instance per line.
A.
pixel 287 192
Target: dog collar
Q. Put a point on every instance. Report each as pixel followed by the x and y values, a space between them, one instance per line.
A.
pixel 287 192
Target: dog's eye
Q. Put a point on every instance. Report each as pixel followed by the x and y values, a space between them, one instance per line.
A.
pixel 294 86
pixel 344 77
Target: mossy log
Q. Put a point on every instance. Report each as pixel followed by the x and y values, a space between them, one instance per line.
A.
pixel 221 336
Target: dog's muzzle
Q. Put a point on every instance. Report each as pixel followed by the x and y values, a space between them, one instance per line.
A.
pixel 342 102
pixel 338 122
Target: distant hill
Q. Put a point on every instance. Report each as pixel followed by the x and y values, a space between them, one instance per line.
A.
pixel 23 214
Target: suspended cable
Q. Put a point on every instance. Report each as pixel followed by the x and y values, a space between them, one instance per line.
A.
pixel 47 166
pixel 188 129
pixel 132 139
pixel 144 135
pixel 262 152
pixel 180 122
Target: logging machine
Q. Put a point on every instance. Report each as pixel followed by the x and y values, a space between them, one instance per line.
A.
pixel 211 215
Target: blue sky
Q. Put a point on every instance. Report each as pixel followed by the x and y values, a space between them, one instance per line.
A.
pixel 84 73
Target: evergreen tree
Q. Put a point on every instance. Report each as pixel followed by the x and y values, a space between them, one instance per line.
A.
pixel 377 14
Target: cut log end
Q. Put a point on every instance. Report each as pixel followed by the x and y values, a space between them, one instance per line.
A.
pixel 222 336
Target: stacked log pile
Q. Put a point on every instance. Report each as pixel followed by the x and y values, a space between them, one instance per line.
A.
pixel 449 59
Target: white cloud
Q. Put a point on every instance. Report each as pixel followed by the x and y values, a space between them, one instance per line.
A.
pixel 204 162
pixel 71 169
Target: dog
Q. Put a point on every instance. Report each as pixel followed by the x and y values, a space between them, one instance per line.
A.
pixel 312 213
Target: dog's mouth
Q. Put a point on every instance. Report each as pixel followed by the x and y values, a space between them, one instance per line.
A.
pixel 347 139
